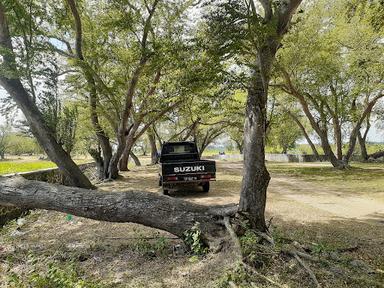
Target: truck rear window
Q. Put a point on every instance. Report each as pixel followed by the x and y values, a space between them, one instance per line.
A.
pixel 179 149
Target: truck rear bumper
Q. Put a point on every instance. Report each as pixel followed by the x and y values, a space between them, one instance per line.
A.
pixel 193 182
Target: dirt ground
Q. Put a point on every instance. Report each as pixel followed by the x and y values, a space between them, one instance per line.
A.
pixel 130 255
pixel 289 197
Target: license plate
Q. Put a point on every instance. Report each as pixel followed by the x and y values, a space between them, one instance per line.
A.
pixel 190 178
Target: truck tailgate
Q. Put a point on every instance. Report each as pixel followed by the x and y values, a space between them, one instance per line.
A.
pixel 189 168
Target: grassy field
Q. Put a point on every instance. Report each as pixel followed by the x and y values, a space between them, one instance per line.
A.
pixel 361 176
pixel 306 149
pixel 8 167
pixel 30 163
pixel 212 152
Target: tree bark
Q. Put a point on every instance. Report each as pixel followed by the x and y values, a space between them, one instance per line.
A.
pixel 100 133
pixel 158 137
pixel 352 138
pixel 124 159
pixel 152 143
pixel 338 138
pixel 134 134
pixel 304 131
pixel 96 155
pixel 363 147
pixel 239 146
pixel 363 140
pixel 337 123
pixel 149 209
pixel 135 159
pixel 123 163
pixel 44 136
pixel 256 177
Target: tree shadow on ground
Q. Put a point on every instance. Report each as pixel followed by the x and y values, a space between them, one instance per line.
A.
pixel 349 252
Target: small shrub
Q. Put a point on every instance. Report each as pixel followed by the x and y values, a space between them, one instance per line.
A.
pixel 63 276
pixel 256 253
pixel 237 276
pixel 194 241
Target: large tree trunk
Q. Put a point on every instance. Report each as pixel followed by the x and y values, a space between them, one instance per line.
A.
pixel 256 177
pixel 239 146
pixel 35 120
pixel 327 149
pixel 363 139
pixel 96 155
pixel 150 209
pixel 152 143
pixel 129 142
pixel 363 147
pixel 123 163
pixel 338 138
pixel 100 133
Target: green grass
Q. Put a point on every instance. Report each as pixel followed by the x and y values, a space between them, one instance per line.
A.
pixel 360 177
pixel 306 149
pixel 212 152
pixel 8 167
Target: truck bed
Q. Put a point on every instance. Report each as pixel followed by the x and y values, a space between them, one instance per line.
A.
pixel 189 171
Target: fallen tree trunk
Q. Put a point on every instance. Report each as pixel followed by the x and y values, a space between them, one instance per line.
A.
pixel 150 209
pixel 376 155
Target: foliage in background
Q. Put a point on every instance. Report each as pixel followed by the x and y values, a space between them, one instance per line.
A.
pixel 4 140
pixel 331 65
pixel 20 144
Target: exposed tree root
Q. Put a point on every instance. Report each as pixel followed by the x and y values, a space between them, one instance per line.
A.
pixel 258 274
pixel 307 269
pixel 235 239
pixel 237 247
pixel 296 254
pixel 266 237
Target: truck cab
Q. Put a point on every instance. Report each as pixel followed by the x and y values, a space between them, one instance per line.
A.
pixel 180 165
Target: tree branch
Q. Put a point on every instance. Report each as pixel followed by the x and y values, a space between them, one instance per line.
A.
pixel 284 15
pixel 78 28
pixel 267 9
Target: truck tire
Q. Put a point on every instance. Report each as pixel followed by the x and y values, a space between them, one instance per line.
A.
pixel 165 192
pixel 206 187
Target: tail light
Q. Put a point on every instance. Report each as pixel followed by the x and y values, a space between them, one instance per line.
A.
pixel 172 178
pixel 206 176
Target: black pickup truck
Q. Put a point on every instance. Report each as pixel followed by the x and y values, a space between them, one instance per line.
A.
pixel 181 165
